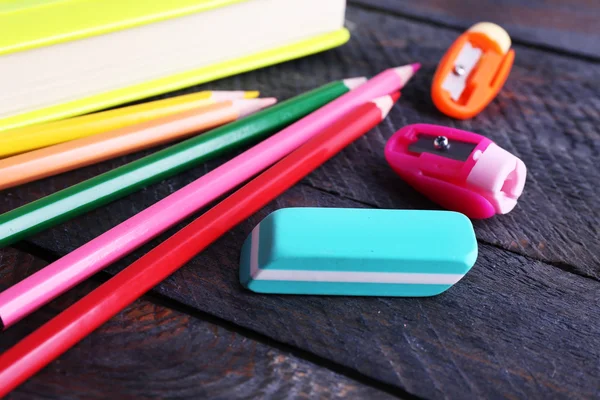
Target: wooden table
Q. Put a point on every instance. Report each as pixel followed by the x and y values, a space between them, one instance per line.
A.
pixel 524 323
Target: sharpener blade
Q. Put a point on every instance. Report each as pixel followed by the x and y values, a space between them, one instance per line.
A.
pixel 456 81
pixel 456 150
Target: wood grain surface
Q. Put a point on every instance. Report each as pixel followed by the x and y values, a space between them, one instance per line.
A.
pixel 153 351
pixel 567 26
pixel 524 321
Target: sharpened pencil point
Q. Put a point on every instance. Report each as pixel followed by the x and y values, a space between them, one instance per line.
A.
pixel 353 83
pixel 223 95
pixel 252 94
pixel 406 72
pixel 249 106
pixel 385 104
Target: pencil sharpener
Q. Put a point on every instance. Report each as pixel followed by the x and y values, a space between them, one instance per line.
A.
pixel 472 71
pixel 459 170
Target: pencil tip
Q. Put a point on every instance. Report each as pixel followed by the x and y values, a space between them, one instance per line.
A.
pixel 385 103
pixel 406 72
pixel 251 94
pixel 249 106
pixel 353 83
pixel 223 95
pixel 268 101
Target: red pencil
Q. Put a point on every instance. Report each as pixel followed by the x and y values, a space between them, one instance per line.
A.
pixel 76 322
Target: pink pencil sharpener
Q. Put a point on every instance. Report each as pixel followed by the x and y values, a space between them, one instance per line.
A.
pixel 459 170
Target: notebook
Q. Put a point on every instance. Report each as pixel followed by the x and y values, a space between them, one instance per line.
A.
pixel 60 58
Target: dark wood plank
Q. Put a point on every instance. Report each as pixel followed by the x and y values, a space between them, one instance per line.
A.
pixel 566 26
pixel 548 114
pixel 152 351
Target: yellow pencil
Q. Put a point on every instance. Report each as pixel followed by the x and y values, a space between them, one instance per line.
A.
pixel 33 137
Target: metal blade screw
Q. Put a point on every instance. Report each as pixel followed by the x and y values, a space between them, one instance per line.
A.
pixel 441 143
pixel 459 70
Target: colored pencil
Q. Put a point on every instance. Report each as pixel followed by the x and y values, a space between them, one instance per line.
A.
pixel 72 325
pixel 102 189
pixel 33 137
pixel 41 287
pixel 41 163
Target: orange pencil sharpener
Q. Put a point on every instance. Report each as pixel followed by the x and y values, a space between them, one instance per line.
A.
pixel 472 71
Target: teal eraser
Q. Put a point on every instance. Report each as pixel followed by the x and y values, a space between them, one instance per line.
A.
pixel 359 252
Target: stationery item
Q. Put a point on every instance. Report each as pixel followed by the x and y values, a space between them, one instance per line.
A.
pixel 33 137
pixel 102 189
pixel 358 252
pixel 69 327
pixel 459 170
pixel 41 287
pixel 473 71
pixel 63 157
pixel 98 54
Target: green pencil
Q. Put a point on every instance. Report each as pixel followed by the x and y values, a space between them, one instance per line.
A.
pixel 102 189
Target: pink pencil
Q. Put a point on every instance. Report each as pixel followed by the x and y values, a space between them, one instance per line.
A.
pixel 58 277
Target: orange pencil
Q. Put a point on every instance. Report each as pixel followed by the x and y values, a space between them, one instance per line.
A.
pixel 78 153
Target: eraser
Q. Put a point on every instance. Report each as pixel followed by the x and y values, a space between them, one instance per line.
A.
pixel 358 252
